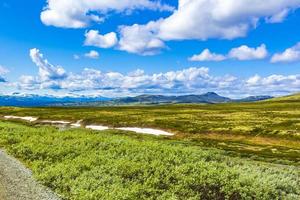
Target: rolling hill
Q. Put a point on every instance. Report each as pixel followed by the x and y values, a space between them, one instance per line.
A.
pixel 289 98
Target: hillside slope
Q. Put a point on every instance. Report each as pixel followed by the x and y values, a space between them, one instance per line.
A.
pixel 289 98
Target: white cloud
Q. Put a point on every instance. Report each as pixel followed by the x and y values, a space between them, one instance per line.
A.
pixel 92 54
pixel 241 53
pixel 93 38
pixel 80 13
pixel 289 55
pixel 189 80
pixel 46 70
pixel 206 55
pixel 28 82
pixel 247 53
pixel 185 81
pixel 141 39
pixel 253 80
pixel 273 85
pixel 206 19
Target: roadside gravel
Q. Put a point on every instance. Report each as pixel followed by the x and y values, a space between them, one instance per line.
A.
pixel 17 183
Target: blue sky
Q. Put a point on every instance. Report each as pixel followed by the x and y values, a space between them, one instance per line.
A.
pixel 253 49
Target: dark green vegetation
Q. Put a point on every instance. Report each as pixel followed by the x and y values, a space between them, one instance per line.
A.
pixel 82 164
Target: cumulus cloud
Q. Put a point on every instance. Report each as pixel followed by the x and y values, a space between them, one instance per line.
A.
pixel 46 70
pixel 240 53
pixel 92 54
pixel 189 80
pixel 206 19
pixel 254 80
pixel 93 38
pixel 80 13
pixel 221 19
pixel 274 84
pixel 28 82
pixel 247 53
pixel 48 76
pixel 184 81
pixel 206 55
pixel 141 39
pixel 289 55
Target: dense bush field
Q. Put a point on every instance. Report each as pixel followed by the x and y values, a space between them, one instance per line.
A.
pixel 83 164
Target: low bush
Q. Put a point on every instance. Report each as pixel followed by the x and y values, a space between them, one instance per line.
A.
pixel 89 165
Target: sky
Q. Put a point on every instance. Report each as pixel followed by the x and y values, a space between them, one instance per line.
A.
pixel 130 47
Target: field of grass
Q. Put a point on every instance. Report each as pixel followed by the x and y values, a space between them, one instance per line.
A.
pixel 269 118
pixel 264 130
pixel 83 164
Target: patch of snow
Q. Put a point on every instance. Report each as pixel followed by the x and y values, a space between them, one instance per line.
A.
pixel 55 122
pixel 97 127
pixel 77 124
pixel 30 119
pixel 146 131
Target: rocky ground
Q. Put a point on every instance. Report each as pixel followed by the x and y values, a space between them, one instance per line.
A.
pixel 17 183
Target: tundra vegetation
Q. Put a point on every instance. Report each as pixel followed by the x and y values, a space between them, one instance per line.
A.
pixel 222 151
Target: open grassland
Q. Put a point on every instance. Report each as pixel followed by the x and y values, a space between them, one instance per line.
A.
pixel 278 119
pixel 83 164
pixel 264 130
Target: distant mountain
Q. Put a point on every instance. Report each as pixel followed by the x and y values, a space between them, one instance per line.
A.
pixel 36 100
pixel 209 97
pixel 254 98
pixel 32 100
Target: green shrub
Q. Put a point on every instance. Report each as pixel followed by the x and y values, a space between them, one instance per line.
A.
pixel 82 164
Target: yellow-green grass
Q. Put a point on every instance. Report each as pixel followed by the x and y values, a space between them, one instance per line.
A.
pixel 264 118
pixel 293 97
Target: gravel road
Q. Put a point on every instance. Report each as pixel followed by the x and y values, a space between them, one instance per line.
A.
pixel 17 183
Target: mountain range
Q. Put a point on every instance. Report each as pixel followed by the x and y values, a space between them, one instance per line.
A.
pixel 209 97
pixel 32 100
